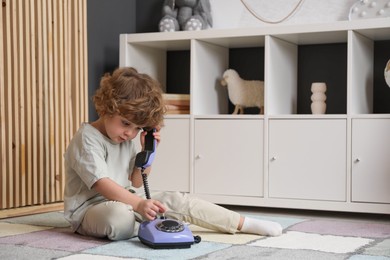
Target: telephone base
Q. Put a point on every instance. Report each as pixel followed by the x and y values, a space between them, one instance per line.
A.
pixel 165 234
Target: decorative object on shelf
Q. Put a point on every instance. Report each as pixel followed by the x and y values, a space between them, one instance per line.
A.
pixel 243 93
pixel 370 9
pixel 177 103
pixel 185 15
pixel 293 11
pixel 387 73
pixel 318 98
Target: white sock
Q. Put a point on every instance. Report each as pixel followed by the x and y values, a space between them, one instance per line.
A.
pixel 261 227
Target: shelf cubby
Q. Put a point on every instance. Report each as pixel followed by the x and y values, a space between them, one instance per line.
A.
pixel 295 61
pixel 249 64
pixel 178 72
pixel 370 51
pixel 381 95
pixel 154 57
pixel 211 57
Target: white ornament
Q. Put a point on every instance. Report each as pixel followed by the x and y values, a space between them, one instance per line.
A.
pixel 364 9
pixel 387 73
pixel 318 105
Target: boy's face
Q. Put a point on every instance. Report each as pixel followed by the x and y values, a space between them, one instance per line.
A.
pixel 119 129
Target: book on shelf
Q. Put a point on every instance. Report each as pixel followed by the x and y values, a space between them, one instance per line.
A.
pixel 178 112
pixel 177 103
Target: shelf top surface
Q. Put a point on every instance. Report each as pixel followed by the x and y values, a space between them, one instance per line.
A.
pixel 376 29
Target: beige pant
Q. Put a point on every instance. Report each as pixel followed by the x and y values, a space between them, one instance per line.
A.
pixel 117 221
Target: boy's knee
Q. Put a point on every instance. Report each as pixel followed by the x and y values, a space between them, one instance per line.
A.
pixel 121 222
pixel 173 198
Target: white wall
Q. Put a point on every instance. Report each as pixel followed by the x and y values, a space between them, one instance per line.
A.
pixel 233 14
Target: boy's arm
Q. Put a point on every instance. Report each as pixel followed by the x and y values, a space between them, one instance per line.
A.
pixel 136 177
pixel 113 191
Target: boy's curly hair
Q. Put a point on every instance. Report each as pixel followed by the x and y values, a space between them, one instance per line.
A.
pixel 135 96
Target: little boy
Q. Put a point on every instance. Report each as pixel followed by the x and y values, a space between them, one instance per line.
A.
pixel 100 171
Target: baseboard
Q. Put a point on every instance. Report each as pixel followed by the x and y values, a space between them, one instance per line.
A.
pixel 22 211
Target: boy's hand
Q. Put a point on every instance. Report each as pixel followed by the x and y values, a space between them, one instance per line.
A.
pixel 150 208
pixel 156 135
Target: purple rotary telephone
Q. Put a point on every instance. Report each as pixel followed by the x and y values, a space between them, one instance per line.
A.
pixel 160 233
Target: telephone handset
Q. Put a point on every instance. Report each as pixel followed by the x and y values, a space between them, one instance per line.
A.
pixel 145 158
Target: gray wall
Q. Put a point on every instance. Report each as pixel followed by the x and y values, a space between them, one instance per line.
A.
pixel 148 15
pixel 107 19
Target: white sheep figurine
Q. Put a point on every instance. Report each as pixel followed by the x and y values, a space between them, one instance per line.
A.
pixel 243 93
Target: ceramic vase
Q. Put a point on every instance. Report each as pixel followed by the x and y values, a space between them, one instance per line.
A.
pixel 318 98
pixel 387 73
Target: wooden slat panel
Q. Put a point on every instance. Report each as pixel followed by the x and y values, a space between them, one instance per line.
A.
pixel 68 73
pixel 34 112
pixel 61 92
pixel 43 96
pixel 50 104
pixel 21 106
pixel 9 115
pixel 45 107
pixel 76 65
pixel 85 60
pixel 3 145
pixel 80 57
pixel 40 63
pixel 28 115
pixel 56 65
pixel 15 97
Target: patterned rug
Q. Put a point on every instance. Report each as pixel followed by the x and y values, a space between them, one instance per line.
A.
pixel 47 236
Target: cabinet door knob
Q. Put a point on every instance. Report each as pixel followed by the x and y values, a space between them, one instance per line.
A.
pixel 273 158
pixel 357 160
pixel 199 156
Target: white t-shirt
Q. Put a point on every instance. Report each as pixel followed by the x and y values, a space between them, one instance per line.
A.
pixel 89 157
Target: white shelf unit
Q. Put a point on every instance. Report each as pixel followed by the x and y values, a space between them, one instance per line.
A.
pixel 286 158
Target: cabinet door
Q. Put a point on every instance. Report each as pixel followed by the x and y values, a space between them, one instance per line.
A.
pixel 229 157
pixel 370 160
pixel 307 159
pixel 171 167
